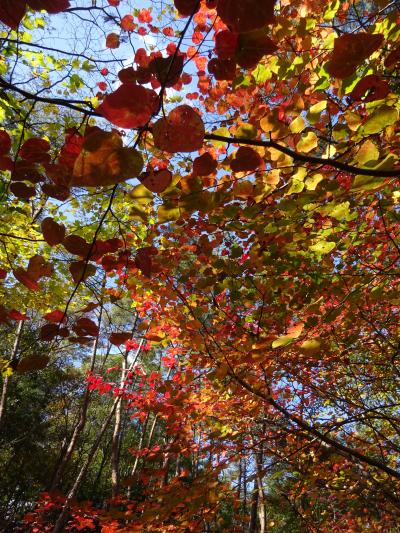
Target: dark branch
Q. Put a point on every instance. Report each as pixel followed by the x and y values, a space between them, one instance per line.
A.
pixel 395 173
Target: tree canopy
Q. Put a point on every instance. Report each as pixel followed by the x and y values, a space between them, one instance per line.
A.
pixel 199 259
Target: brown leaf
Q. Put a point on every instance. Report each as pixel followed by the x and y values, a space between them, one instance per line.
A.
pixel 53 232
pixel 32 363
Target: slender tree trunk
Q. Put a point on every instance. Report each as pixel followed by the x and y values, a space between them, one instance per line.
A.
pixel 59 526
pixel 116 438
pixel 68 450
pixel 262 511
pixel 14 354
pixel 253 509
pixel 136 462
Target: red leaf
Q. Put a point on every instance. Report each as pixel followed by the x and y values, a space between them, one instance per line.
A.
pixel 156 180
pixel 56 191
pixel 143 260
pixel 71 148
pixel 86 327
pixel 370 88
pixel 5 142
pixel 56 316
pixel 21 190
pixel 187 7
pixel 222 69
pixel 181 131
pixel 204 165
pixel 130 106
pixel 349 51
pixel 49 331
pixel 112 40
pixel 144 16
pixel 16 315
pixel 109 246
pixel 35 150
pixel 32 363
pixel 252 47
pixel 12 12
pixel 23 277
pixel 53 232
pixel 119 338
pixel 51 6
pixel 246 15
pixel 6 163
pixel 226 44
pixel 127 23
pixel 246 160
pixel 393 58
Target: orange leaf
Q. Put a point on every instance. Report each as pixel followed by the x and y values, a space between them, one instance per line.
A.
pixel 103 161
pixel 130 106
pixel 38 268
pixel 112 40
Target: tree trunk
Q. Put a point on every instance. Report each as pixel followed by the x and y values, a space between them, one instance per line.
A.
pixel 262 511
pixel 116 438
pixel 253 509
pixel 68 450
pixel 14 353
pixel 59 526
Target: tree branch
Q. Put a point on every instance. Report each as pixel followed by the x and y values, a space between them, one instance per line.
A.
pixel 306 158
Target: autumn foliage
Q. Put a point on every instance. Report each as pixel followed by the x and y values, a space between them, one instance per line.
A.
pixel 200 206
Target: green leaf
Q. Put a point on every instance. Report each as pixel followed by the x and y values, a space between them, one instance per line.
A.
pixel 323 247
pixel 381 118
pixel 261 74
